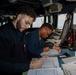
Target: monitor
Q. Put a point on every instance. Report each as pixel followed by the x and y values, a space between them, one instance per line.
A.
pixel 38 22
pixel 74 19
pixel 61 20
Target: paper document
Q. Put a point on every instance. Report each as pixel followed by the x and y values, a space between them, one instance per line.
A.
pixel 69 66
pixel 72 72
pixel 69 59
pixel 45 71
pixel 69 69
pixel 51 62
pixel 52 52
pixel 69 72
pixel 50 66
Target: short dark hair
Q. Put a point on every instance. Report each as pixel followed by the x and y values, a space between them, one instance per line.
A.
pixel 27 11
pixel 47 25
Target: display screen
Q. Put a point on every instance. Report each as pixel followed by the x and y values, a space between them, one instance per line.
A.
pixel 61 20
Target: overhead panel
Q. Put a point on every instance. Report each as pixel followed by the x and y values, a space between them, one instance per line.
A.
pixel 52 6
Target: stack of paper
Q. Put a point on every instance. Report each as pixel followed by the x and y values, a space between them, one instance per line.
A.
pixel 45 71
pixel 51 62
pixel 50 66
pixel 69 59
pixel 69 69
pixel 70 66
pixel 52 52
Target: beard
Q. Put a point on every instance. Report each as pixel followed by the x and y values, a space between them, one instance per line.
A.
pixel 18 26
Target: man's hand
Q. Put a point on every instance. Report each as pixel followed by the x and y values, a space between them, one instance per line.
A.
pixel 36 64
pixel 45 49
pixel 57 48
pixel 45 56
